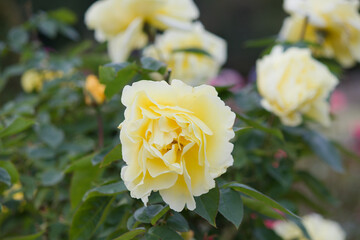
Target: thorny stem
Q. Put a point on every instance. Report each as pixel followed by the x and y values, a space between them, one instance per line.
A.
pixel 100 126
pixel 167 76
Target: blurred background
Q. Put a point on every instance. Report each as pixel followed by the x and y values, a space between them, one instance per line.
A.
pixel 237 22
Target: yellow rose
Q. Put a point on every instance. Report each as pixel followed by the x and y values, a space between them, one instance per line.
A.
pixel 15 192
pixel 49 75
pixel 94 90
pixel 191 67
pixel 293 84
pixel 317 227
pixel 31 81
pixel 122 21
pixel 333 24
pixel 175 140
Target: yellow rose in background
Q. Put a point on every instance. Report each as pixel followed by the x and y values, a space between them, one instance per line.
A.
pixel 293 84
pixel 122 21
pixel 175 140
pixel 33 80
pixel 15 192
pixel 94 90
pixel 317 227
pixel 191 67
pixel 333 24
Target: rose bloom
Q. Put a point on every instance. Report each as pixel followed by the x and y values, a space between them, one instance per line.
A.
pixel 122 21
pixel 94 90
pixel 175 140
pixel 317 227
pixel 192 67
pixel 32 80
pixel 333 24
pixel 293 84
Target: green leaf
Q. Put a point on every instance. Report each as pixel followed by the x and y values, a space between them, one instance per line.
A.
pixel 159 215
pixel 273 131
pixel 316 187
pixel 162 233
pixel 18 125
pixel 147 214
pixel 51 177
pixel 17 38
pixel 27 237
pixel 261 208
pixel 51 135
pixel 64 15
pixel 193 50
pixel 106 190
pixel 131 235
pixel 231 206
pixel 48 27
pixel 207 205
pixel 116 76
pixel 178 223
pixel 79 164
pixel 258 196
pixel 82 180
pixel 114 155
pixel 321 146
pixel 99 157
pixel 11 169
pixel 89 217
pixel 5 177
pixel 151 64
pixel 263 42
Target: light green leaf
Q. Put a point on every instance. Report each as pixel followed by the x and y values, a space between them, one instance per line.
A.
pixel 273 131
pixel 51 135
pixel 18 125
pixel 79 164
pixel 231 206
pixel 162 233
pixel 11 169
pixel 178 223
pixel 258 196
pixel 207 205
pixel 64 15
pixel 159 215
pixel 131 235
pixel 89 217
pixel 5 177
pixel 27 237
pixel 193 50
pixel 114 155
pixel 106 190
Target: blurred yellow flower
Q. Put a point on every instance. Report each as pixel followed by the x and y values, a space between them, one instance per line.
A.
pixel 293 84
pixel 178 48
pixel 94 90
pixel 122 21
pixel 175 140
pixel 15 192
pixel 32 80
pixel 317 227
pixel 333 24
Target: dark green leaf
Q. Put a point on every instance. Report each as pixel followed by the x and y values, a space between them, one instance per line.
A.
pixel 194 51
pixel 106 190
pixel 258 196
pixel 207 205
pixel 261 208
pixel 264 42
pixel 321 146
pixel 114 155
pixel 131 235
pixel 115 77
pixel 5 177
pixel 99 157
pixel 178 223
pixel 146 214
pixel 27 237
pixel 18 125
pixel 69 32
pixel 48 27
pixel 11 170
pixel 89 217
pixel 273 131
pixel 51 177
pixel 159 215
pixel 316 187
pixel 51 135
pixel 163 233
pixel 231 206
pixel 152 64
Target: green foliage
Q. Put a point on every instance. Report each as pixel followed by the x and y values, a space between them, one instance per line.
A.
pixel 207 205
pixel 231 206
